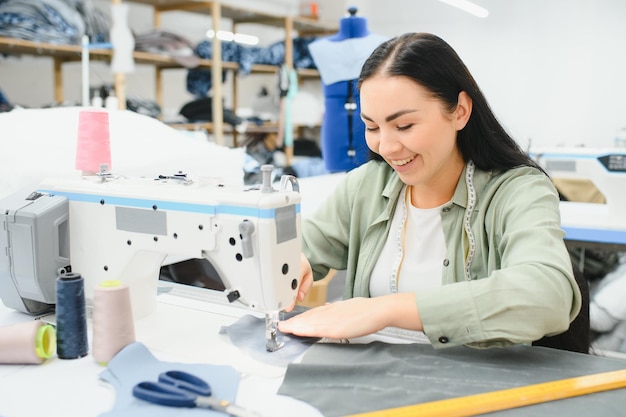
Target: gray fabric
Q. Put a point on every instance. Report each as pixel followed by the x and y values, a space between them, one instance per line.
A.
pixel 341 380
pixel 248 334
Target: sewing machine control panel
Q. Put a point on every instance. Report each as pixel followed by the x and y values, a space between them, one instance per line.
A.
pixel 614 162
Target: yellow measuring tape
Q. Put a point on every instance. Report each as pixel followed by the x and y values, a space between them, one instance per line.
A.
pixel 509 398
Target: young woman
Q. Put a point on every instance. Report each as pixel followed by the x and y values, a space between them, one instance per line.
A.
pixel 451 229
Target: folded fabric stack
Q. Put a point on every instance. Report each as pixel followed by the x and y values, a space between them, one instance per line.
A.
pixel 53 21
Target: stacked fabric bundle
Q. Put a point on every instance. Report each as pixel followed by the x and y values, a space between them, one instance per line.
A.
pixel 53 21
pixel 199 81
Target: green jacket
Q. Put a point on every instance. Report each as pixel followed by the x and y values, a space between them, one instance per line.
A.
pixel 520 285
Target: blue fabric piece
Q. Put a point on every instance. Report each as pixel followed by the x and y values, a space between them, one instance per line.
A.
pixel 275 53
pixel 135 364
pixel 342 61
pixel 309 167
pixel 199 82
pixel 230 51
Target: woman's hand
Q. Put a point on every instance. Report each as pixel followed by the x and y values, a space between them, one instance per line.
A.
pixel 355 317
pixel 306 281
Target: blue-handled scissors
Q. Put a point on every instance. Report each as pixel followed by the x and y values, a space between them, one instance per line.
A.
pixel 182 389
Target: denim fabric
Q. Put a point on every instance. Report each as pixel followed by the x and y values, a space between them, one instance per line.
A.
pixel 199 82
pixel 97 23
pixel 52 21
pixel 274 54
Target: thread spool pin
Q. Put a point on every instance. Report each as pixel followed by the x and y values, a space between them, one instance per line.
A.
pixel 266 172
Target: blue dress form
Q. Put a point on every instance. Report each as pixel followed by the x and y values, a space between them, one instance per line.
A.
pixel 343 131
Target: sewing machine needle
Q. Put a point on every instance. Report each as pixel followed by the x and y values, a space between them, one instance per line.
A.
pixel 272 343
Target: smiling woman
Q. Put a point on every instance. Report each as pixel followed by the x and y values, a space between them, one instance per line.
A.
pixel 451 229
pixel 416 135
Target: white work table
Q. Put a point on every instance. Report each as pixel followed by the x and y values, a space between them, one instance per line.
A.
pixel 589 225
pixel 187 330
pixel 182 329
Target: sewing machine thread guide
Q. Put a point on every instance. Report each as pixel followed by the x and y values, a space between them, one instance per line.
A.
pixel 233 296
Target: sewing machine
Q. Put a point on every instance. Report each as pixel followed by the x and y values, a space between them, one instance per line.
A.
pixel 106 227
pixel 605 168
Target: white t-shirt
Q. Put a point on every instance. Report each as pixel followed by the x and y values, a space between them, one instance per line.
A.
pixel 412 258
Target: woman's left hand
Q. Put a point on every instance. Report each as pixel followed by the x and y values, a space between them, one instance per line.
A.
pixel 354 317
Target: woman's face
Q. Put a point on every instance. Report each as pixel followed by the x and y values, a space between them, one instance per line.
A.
pixel 412 131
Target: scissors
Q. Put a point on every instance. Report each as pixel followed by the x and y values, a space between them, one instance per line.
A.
pixel 182 389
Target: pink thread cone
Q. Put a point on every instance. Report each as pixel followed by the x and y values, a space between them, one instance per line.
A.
pixel 113 326
pixel 27 343
pixel 93 145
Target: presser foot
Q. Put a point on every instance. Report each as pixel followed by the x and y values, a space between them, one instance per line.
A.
pixel 272 343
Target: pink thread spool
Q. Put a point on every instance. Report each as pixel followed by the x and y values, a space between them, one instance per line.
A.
pixel 113 326
pixel 27 343
pixel 93 145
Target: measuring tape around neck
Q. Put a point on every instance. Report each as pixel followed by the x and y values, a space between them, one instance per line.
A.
pixel 488 402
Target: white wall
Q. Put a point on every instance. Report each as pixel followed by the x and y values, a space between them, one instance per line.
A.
pixel 552 69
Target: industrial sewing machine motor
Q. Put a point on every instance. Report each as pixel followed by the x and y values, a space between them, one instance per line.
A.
pixel 107 227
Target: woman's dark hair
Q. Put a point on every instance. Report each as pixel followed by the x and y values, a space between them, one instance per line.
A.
pixel 432 63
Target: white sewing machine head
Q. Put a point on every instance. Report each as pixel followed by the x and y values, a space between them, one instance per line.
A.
pixel 604 168
pixel 123 228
